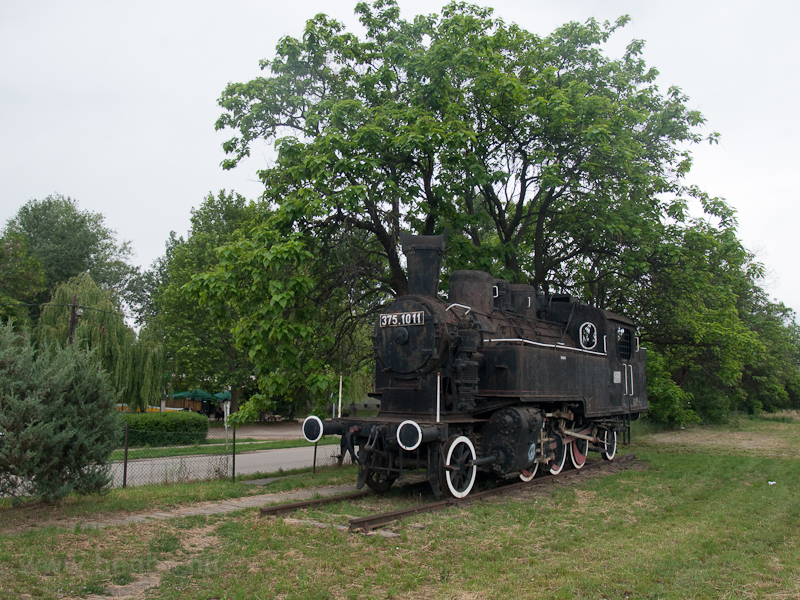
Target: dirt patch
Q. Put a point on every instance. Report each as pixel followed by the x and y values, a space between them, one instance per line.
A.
pixel 197 540
pixel 193 542
pixel 138 588
pixel 751 443
pixel 209 507
pixel 45 518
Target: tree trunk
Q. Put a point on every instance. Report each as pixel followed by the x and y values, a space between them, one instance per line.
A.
pixel 235 393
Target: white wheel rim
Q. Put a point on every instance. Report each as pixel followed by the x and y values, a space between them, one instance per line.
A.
pixel 527 478
pixel 610 455
pixel 447 475
pixel 555 469
pixel 319 422
pixel 576 463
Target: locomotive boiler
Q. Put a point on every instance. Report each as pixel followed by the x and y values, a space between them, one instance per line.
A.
pixel 497 379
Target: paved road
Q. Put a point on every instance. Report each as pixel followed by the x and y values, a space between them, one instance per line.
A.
pixel 269 461
pixel 188 468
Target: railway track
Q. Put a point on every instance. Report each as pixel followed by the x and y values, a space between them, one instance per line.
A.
pixel 368 523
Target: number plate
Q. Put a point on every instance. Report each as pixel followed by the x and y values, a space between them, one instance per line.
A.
pixel 403 319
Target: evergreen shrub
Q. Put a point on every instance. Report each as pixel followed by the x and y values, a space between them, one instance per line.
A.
pixel 166 429
pixel 57 418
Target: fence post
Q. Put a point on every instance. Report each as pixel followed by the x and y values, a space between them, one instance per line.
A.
pixel 234 453
pixel 125 465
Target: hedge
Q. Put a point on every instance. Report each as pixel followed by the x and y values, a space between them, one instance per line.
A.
pixel 165 429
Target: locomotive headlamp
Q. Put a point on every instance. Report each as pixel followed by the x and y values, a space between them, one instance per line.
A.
pixel 410 434
pixel 312 429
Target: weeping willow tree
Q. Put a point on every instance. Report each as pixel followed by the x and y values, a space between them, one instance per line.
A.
pixel 136 365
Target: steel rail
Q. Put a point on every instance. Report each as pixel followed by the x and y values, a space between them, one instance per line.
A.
pixel 282 509
pixel 366 524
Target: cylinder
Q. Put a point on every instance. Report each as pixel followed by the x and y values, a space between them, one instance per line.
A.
pixel 473 289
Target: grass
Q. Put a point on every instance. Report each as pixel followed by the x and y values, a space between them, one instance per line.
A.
pixel 118 501
pixel 55 563
pixel 698 519
pixel 216 447
pixel 742 436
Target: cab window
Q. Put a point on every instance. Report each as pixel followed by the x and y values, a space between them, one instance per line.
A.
pixel 624 338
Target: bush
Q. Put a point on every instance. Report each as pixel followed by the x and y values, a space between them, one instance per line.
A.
pixel 58 420
pixel 166 429
pixel 669 404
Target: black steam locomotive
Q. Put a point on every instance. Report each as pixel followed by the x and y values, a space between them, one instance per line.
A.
pixel 497 379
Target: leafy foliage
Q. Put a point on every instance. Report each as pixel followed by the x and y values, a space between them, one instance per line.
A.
pixel 669 403
pixel 771 377
pixel 57 418
pixel 68 241
pixel 21 277
pixel 550 163
pixel 135 364
pixel 200 348
pixel 534 150
pixel 710 323
pixel 165 429
pixel 272 289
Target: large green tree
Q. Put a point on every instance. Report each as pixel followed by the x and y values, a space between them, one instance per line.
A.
pixel 68 241
pixel 550 162
pixel 134 363
pixel 300 328
pixel 199 345
pixel 771 381
pixel 706 320
pixel 535 151
pixel 21 277
pixel 540 154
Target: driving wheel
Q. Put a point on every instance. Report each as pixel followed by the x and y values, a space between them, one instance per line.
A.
pixel 459 472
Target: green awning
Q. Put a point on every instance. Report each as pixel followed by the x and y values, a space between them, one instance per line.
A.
pixel 195 394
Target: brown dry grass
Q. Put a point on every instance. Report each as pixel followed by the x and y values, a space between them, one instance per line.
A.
pixel 786 414
pixel 779 442
pixel 192 543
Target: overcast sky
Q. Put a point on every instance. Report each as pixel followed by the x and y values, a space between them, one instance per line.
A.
pixel 114 103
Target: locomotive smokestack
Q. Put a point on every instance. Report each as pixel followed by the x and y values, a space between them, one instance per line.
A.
pixel 424 256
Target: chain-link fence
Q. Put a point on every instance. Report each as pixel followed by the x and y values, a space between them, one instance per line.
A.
pixel 173 457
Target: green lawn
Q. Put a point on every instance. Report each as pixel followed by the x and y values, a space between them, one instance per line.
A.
pixel 697 517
